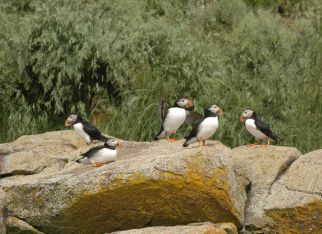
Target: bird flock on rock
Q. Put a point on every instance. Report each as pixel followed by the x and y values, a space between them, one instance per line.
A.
pixel 171 120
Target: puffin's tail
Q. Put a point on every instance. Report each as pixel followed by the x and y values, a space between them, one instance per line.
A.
pixel 275 137
pixel 190 140
pixel 186 142
pixel 82 159
pixel 160 134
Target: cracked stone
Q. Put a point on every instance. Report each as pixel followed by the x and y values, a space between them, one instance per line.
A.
pixel 194 228
pixel 2 211
pixel 261 167
pixel 151 184
pixel 17 226
pixel 295 202
pixel 32 154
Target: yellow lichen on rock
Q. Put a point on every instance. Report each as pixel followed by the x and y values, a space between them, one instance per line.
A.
pixel 139 201
pixel 152 184
pixel 301 219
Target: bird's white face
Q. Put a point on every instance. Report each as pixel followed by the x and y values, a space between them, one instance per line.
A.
pixel 184 103
pixel 113 142
pixel 70 120
pixel 246 115
pixel 216 110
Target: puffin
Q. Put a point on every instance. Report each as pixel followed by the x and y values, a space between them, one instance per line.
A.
pixel 256 127
pixel 84 129
pixel 101 154
pixel 206 127
pixel 172 118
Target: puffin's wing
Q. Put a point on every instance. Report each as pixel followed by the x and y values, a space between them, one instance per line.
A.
pixel 163 109
pixel 263 127
pixel 194 131
pixel 91 130
pixel 192 117
pixel 91 152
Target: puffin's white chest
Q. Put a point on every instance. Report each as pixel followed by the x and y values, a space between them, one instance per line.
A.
pixel 105 155
pixel 174 119
pixel 251 128
pixel 207 128
pixel 80 131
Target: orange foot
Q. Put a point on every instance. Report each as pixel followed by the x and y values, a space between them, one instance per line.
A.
pixel 172 139
pixel 251 145
pixel 98 164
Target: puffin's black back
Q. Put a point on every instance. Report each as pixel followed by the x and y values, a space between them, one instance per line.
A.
pixel 91 130
pixel 92 151
pixel 264 128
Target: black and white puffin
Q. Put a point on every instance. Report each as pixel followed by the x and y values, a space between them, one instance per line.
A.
pixel 84 129
pixel 206 127
pixel 101 154
pixel 172 118
pixel 257 127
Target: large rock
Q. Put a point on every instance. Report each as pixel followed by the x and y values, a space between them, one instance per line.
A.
pixel 34 153
pixel 17 226
pixel 195 228
pixel 151 184
pixel 2 210
pixel 261 166
pixel 295 200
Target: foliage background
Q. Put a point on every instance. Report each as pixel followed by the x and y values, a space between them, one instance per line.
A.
pixel 111 61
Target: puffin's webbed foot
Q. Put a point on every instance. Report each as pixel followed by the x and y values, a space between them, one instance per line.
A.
pixel 171 139
pixel 96 164
pixel 254 144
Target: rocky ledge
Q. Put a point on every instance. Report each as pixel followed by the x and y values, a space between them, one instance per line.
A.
pixel 153 185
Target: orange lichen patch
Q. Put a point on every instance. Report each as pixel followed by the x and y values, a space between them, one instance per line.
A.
pixel 138 201
pixel 302 219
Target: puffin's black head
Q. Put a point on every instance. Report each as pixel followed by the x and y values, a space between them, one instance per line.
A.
pixel 247 114
pixel 215 109
pixel 183 103
pixel 113 142
pixel 71 119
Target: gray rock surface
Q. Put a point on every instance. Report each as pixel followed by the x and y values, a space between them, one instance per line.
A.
pixel 2 211
pixel 34 153
pixel 195 228
pixel 295 200
pixel 151 184
pixel 262 189
pixel 261 166
pixel 17 226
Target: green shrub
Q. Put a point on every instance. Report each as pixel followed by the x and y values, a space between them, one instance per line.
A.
pixel 112 61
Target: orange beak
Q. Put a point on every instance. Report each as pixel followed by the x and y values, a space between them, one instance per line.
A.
pixel 221 112
pixel 120 143
pixel 67 123
pixel 241 118
pixel 190 103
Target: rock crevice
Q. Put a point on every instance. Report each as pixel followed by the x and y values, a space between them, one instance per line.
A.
pixel 157 184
